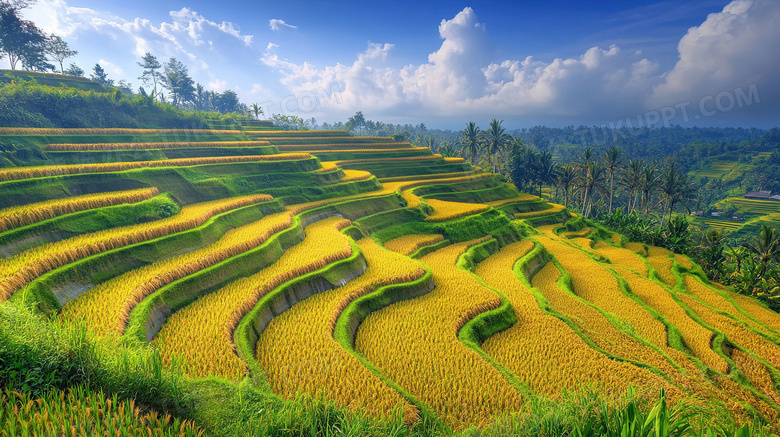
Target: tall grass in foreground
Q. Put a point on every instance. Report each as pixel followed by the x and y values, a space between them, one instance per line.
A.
pixel 38 356
pixel 82 412
pixel 590 414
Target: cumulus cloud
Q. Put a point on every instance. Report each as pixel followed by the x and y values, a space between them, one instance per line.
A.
pixel 454 72
pixel 187 28
pixel 276 24
pixel 731 49
pixel 459 78
pixel 365 83
pixel 735 47
pixel 194 25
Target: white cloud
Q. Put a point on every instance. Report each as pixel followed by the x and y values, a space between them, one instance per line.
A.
pixel 194 25
pixel 365 83
pixel 271 46
pixel 112 69
pixel 733 48
pixel 187 28
pixel 276 24
pixel 256 89
pixel 217 85
pixel 454 72
pixel 55 16
pixel 459 78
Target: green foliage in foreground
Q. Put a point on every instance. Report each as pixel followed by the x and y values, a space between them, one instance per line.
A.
pixel 81 411
pixel 41 357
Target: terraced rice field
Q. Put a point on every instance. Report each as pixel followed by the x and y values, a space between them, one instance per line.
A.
pixel 302 282
pixel 751 206
pixel 719 224
pixel 430 362
pixel 409 244
pixel 299 351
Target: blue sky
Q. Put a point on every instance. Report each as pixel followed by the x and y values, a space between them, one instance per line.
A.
pixel 709 62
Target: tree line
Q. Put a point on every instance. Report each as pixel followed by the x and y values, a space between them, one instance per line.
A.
pixel 26 45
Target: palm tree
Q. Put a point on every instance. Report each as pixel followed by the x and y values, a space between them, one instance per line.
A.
pixel 591 180
pixel 651 179
pixel 676 188
pixel 200 97
pixel 587 156
pixel 544 170
pixel 471 142
pixel 446 150
pixel 669 187
pixel 496 140
pixel 766 247
pixel 566 176
pixel 432 144
pixel 256 110
pixel 631 179
pixel 612 160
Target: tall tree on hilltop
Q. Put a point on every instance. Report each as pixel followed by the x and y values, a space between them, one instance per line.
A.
pixel 612 161
pixel 669 187
pixel 356 123
pixel 496 140
pixel 21 40
pixel 59 50
pixel 201 98
pixel 471 142
pixel 151 74
pixel 176 79
pixel 544 170
pixel 676 188
pixel 74 70
pixel 228 102
pixel 587 157
pixel 99 75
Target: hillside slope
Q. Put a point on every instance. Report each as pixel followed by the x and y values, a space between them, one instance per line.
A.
pixel 377 276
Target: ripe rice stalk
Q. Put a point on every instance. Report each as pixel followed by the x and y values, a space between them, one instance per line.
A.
pixel 202 333
pixel 80 411
pixel 430 362
pixel 23 215
pixel 409 244
pixel 300 355
pixel 17 173
pixel 21 269
pixel 534 341
pixel 66 147
pixel 444 211
pixel 348 146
